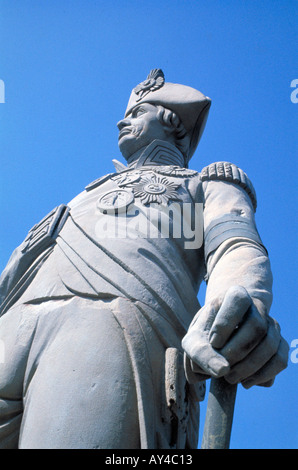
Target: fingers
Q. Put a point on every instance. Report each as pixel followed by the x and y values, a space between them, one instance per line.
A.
pixel 198 348
pixel 193 373
pixel 234 307
pixel 249 334
pixel 274 366
pixel 269 383
pixel 229 337
pixel 258 357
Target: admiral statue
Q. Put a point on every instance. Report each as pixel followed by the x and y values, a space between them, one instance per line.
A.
pixel 106 345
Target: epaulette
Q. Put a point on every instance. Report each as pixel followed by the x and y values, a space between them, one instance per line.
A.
pixel 23 263
pixel 226 171
pixel 98 181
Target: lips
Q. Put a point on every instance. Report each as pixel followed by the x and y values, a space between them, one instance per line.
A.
pixel 124 131
pixel 133 130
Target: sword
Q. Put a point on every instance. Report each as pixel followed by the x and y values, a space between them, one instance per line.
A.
pixel 219 415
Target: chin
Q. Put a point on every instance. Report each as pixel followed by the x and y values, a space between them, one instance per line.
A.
pixel 128 145
pixel 125 149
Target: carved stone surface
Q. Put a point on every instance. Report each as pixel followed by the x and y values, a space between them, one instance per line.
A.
pixel 106 343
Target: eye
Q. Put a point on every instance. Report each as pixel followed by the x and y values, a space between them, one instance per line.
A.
pixel 138 111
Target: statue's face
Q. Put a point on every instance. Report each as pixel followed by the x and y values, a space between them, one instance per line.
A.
pixel 139 129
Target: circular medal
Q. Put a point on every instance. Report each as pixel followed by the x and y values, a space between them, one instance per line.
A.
pixel 115 200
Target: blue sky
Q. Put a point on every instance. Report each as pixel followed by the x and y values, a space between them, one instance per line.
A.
pixel 68 69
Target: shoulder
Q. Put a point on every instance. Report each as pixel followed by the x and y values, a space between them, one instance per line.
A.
pixel 27 258
pixel 230 173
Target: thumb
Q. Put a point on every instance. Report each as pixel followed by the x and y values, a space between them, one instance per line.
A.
pixel 198 348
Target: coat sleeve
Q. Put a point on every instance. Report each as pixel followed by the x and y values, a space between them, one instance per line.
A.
pixel 234 252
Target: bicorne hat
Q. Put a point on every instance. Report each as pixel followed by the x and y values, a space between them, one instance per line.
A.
pixel 189 104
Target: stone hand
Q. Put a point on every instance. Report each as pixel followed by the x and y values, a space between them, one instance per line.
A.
pixel 232 339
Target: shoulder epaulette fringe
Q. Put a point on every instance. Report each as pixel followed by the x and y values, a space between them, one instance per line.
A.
pixel 226 171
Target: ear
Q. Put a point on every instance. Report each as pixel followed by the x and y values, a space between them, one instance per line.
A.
pixel 170 130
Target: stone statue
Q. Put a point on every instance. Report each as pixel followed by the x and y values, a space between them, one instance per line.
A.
pixel 106 345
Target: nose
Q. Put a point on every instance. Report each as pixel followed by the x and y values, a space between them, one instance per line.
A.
pixel 123 123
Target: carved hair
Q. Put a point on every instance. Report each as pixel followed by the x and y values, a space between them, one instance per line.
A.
pixel 172 120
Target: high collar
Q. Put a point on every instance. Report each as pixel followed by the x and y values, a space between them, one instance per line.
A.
pixel 159 152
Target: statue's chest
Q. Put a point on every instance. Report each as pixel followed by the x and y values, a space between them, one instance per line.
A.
pixel 155 185
pixel 151 203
